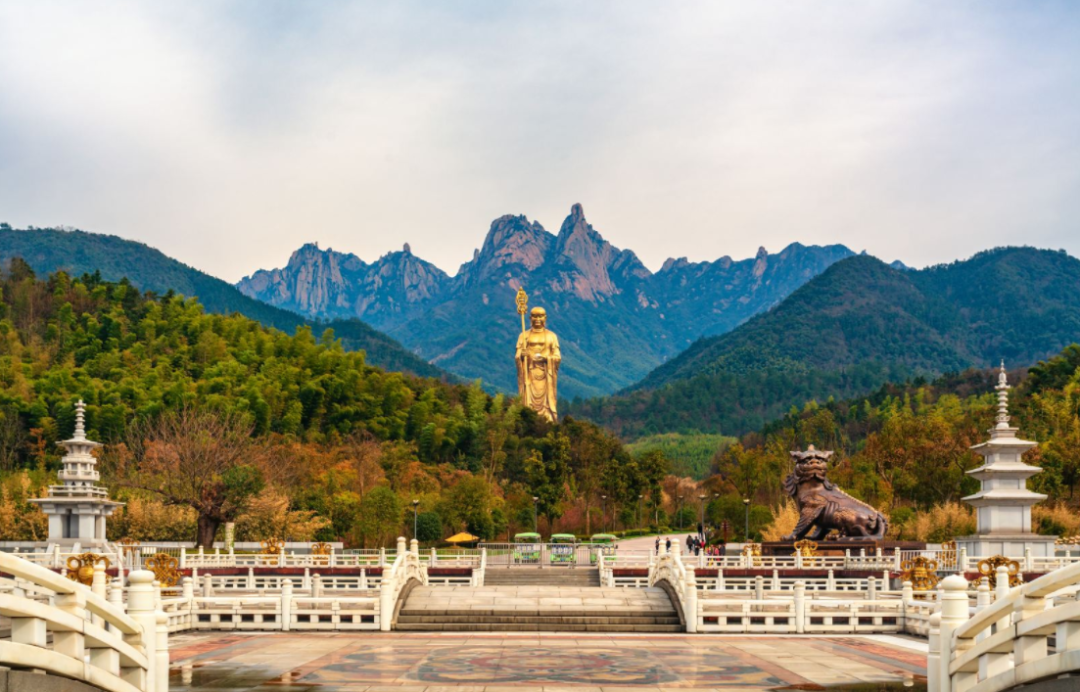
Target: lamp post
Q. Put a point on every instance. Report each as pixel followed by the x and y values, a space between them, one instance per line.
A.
pixel 639 500
pixel 603 512
pixel 746 504
pixel 680 514
pixel 701 526
pixel 536 526
pixel 415 504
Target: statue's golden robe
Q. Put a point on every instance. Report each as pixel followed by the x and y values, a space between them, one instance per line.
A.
pixel 538 359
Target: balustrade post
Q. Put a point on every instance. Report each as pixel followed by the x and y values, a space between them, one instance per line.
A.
pixel 759 587
pixel 907 600
pixel 382 557
pixel 108 658
pixel 830 581
pixel 189 597
pixel 141 609
pixel 363 579
pixel 71 643
pixel 701 559
pixel 281 557
pixel 961 559
pixel 954 612
pixel 57 563
pixel 316 586
pixel 934 656
pixel 775 580
pixel 982 594
pixel 896 559
pixel 1031 647
pixel 305 582
pixel 161 656
pixel 798 559
pixel 871 589
pixel 286 605
pixel 433 558
pixel 1001 583
pixel 720 586
pixel 1067 636
pixel 333 557
pixel 847 558
pixel 208 586
pixel 414 547
pixel 98 586
pixel 800 607
pixel 183 557
pixel 386 602
pixel 251 578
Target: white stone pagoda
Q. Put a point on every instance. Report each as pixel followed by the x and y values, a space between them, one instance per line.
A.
pixel 77 508
pixel 1004 502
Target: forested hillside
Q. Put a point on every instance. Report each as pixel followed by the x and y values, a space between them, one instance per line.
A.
pixel 906 449
pixel 337 447
pixel 48 250
pixel 859 324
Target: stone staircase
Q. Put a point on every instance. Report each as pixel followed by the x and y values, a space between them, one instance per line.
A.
pixel 524 600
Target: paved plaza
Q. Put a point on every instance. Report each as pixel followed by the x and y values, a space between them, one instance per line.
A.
pixel 295 662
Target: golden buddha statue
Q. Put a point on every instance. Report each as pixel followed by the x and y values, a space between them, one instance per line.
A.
pixel 538 359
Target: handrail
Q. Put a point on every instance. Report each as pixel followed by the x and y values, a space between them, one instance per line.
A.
pixel 122 648
pixel 1004 645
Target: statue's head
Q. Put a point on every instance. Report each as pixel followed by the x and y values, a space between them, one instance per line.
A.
pixel 813 464
pixel 538 317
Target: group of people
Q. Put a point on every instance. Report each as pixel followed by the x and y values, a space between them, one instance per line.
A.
pixel 694 544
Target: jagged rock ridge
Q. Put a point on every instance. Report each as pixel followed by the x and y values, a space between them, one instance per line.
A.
pixel 615 318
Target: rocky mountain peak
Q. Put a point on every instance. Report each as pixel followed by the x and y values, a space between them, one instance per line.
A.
pixel 513 244
pixel 589 265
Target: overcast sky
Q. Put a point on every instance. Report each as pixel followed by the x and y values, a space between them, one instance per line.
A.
pixel 228 134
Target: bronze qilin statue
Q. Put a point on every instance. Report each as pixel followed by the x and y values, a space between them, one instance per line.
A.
pixel 823 507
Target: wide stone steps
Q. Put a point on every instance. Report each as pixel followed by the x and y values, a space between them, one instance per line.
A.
pixel 537 608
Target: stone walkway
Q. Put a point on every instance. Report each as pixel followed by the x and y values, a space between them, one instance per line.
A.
pixel 374 662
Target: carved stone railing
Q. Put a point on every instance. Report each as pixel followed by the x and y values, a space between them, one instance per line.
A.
pixel 669 572
pixel 93 640
pixel 406 571
pixel 1006 644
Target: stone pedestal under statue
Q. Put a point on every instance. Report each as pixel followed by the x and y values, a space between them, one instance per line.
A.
pixel 78 507
pixel 1003 504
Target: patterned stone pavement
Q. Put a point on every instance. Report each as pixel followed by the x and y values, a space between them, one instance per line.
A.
pixel 397 662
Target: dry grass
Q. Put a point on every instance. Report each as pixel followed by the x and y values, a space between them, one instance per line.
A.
pixel 1055 520
pixel 785 517
pixel 942 523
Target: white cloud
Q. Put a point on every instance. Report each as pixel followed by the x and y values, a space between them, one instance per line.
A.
pixel 227 134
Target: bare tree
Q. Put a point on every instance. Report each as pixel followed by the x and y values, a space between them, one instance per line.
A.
pixel 203 459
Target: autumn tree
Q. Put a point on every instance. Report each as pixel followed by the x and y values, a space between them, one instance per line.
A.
pixel 200 458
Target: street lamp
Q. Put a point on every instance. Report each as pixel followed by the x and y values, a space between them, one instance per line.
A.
pixel 680 514
pixel 536 526
pixel 415 504
pixel 603 512
pixel 701 526
pixel 639 499
pixel 746 504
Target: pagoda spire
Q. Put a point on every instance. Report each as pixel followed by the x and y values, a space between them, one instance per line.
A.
pixel 1003 399
pixel 80 421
